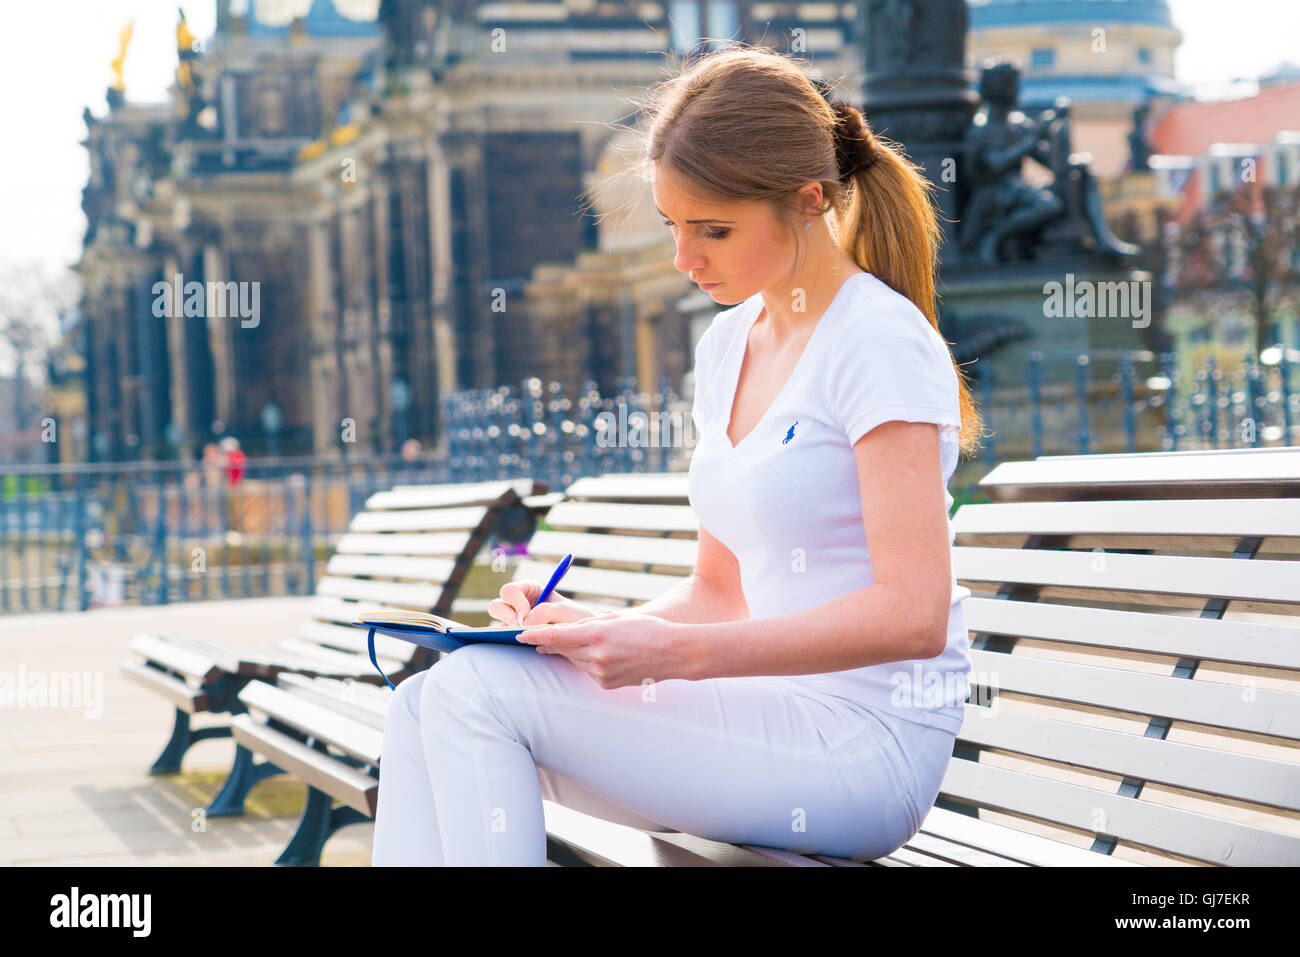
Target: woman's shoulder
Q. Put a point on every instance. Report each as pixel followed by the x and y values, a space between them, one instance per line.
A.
pixel 878 314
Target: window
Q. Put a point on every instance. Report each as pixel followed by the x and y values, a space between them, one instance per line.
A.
pixel 1144 55
pixel 1042 57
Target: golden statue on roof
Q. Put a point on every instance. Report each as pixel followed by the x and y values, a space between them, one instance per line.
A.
pixel 123 41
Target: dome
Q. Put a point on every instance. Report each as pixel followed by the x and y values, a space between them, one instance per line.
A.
pixel 322 18
pixel 986 14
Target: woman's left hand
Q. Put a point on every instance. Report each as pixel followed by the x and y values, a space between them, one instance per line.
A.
pixel 617 648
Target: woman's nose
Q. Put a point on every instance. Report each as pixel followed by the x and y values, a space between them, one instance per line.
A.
pixel 687 260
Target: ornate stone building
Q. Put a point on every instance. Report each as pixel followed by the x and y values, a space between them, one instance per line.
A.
pixel 385 202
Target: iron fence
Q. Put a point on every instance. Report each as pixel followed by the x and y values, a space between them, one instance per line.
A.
pixel 80 536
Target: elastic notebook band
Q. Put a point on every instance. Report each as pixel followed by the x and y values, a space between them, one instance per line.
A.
pixel 370 640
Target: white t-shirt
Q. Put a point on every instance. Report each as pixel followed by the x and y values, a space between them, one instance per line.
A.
pixel 786 500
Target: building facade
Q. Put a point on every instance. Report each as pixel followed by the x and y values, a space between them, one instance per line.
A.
pixel 350 209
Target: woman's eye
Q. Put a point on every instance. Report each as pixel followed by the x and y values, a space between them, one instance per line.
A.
pixel 708 233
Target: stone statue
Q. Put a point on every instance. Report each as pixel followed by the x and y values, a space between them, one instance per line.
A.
pixel 190 100
pixel 1005 216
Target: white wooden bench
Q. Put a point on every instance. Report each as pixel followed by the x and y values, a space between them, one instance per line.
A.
pixel 1135 656
pixel 411 548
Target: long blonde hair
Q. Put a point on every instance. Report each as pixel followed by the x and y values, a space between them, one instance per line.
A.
pixel 746 124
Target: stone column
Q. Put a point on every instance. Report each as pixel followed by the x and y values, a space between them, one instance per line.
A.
pixel 216 268
pixel 916 89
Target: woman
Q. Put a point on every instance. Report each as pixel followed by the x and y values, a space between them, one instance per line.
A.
pixel 803 687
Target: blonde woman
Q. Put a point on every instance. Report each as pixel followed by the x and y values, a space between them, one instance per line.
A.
pixel 802 689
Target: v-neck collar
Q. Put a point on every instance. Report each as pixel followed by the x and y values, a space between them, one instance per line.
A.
pixel 744 349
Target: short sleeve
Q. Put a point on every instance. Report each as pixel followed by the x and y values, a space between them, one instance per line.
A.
pixel 893 365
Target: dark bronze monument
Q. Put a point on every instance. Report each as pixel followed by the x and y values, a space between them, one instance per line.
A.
pixel 1012 250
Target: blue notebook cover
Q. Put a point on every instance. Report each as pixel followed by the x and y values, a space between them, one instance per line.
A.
pixel 442 634
pixel 448 640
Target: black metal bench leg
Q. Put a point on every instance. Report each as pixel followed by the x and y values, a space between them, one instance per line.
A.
pixel 319 822
pixel 169 762
pixel 183 736
pixel 244 774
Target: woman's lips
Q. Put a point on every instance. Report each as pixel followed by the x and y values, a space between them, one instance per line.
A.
pixel 706 286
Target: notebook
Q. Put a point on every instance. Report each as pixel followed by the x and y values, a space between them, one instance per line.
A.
pixel 429 631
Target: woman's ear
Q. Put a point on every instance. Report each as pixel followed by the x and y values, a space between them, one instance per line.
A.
pixel 811 199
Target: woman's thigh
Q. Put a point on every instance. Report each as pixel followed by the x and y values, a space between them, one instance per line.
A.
pixel 744 760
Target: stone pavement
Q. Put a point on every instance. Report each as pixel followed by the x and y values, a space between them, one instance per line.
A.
pixel 73 787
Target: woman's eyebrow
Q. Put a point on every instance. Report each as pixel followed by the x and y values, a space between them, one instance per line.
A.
pixel 730 222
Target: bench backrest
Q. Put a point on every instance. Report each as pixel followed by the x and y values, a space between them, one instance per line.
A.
pixel 1136 659
pixel 411 547
pixel 1229 473
pixel 632 538
pixel 1135 652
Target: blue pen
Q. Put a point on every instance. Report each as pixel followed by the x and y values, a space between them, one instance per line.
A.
pixel 556 575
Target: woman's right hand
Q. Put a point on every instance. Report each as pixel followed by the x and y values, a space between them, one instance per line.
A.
pixel 514 607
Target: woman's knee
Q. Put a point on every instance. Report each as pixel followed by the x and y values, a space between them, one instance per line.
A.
pixel 406 699
pixel 466 674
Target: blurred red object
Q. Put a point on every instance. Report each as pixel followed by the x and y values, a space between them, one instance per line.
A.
pixel 236 460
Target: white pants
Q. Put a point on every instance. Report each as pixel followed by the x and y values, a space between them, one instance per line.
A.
pixel 473 745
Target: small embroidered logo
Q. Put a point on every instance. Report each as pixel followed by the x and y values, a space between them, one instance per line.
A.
pixel 789 435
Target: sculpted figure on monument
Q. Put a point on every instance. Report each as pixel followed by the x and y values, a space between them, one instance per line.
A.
pixel 1006 218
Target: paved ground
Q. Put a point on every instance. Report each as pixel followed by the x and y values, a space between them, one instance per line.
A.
pixel 73 787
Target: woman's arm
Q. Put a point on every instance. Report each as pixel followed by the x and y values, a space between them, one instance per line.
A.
pixel 903 615
pixel 711 593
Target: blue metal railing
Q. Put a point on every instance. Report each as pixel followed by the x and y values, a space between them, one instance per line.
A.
pixel 77 536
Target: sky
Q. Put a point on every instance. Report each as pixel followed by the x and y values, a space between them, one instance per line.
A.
pixel 55 56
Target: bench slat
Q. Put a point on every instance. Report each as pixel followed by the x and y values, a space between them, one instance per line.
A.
pixel 603 582
pixel 956 853
pixel 446 496
pixel 240 659
pixel 734 855
pixel 1258 581
pixel 353 638
pixel 432 570
pixel 310 766
pixel 1179 699
pixel 1233 518
pixel 344 697
pixel 1026 848
pixel 1175 475
pixel 405 594
pixel 1227 774
pixel 174 690
pixel 1197 836
pixel 450 544
pixel 673 552
pixel 419 520
pixel 332 662
pixel 1212 639
pixel 669 488
pixel 353 738
pixel 607 844
pixel 174 654
pixel 648 518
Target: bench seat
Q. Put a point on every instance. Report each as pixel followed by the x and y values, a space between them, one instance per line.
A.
pixel 410 548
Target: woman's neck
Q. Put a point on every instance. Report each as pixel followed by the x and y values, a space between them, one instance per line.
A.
pixel 790 312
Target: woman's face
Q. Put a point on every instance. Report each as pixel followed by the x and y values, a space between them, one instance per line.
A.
pixel 741 247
